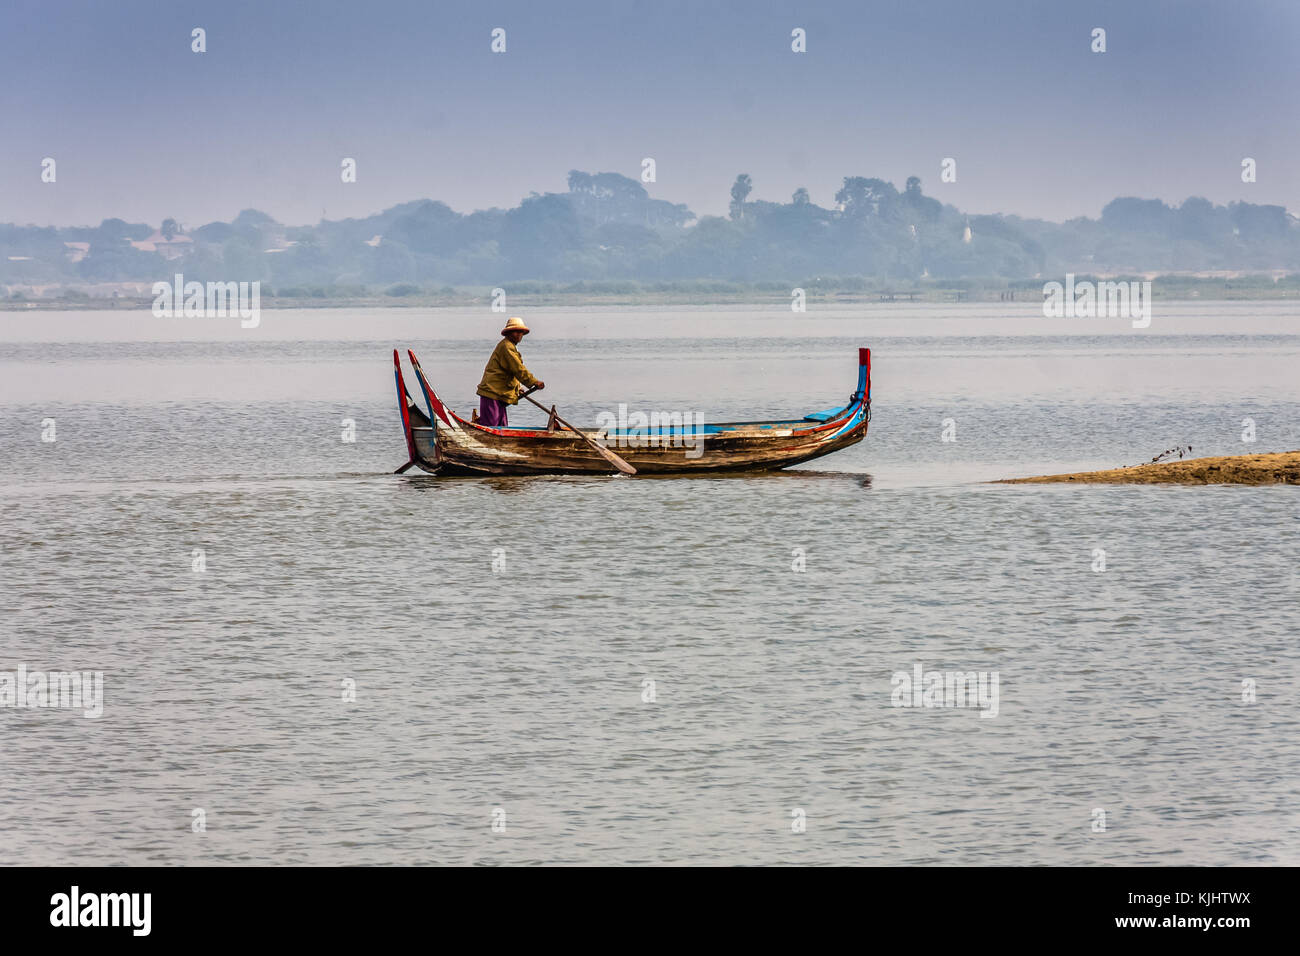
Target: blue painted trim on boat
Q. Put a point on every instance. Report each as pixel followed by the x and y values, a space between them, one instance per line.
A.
pixel 671 430
pixel 428 404
pixel 854 421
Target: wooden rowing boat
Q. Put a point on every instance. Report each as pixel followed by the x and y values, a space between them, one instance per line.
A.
pixel 441 442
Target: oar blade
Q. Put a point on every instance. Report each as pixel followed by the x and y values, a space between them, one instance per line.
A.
pixel 613 459
pixel 604 452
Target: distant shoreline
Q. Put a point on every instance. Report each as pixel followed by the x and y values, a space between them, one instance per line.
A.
pixel 558 298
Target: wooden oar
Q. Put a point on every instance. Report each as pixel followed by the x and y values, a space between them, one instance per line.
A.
pixel 604 452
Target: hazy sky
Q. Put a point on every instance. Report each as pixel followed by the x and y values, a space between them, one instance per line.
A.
pixel 143 128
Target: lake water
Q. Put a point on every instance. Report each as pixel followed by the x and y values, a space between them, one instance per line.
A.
pixel 519 696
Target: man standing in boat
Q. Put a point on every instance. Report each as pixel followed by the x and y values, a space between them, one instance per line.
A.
pixel 503 377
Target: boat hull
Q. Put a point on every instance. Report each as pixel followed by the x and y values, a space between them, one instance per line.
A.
pixel 567 456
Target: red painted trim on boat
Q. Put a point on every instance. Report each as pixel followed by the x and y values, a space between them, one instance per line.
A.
pixel 435 403
pixel 406 411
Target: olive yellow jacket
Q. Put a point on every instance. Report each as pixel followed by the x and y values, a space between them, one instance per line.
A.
pixel 504 373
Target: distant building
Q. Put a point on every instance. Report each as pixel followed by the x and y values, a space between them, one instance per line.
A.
pixel 172 248
pixel 77 251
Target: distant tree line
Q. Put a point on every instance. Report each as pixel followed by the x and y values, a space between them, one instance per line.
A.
pixel 607 227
